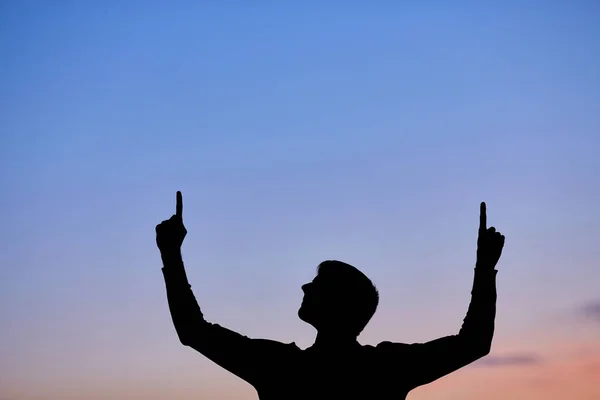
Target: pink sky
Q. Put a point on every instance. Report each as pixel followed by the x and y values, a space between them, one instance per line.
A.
pixel 563 370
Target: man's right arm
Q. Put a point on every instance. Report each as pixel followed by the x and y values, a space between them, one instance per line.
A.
pixel 240 355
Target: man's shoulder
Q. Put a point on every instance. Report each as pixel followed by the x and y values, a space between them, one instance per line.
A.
pixel 385 346
pixel 276 345
pixel 388 346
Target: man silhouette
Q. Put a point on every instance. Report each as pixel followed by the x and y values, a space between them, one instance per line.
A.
pixel 338 303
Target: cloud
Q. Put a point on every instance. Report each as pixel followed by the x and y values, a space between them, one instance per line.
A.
pixel 510 360
pixel 591 310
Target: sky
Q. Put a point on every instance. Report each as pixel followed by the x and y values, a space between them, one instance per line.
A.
pixel 297 132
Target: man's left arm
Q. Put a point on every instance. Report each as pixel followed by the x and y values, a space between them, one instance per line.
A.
pixel 425 362
pixel 429 361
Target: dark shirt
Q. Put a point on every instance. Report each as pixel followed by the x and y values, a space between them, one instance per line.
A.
pixel 280 371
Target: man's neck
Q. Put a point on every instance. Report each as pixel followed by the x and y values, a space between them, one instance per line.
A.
pixel 334 340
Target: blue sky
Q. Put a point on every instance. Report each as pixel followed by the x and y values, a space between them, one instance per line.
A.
pixel 296 133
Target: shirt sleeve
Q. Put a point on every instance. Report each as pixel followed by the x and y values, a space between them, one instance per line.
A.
pixel 249 359
pixel 422 363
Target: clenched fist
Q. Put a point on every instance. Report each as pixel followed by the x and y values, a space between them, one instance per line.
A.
pixel 489 243
pixel 170 233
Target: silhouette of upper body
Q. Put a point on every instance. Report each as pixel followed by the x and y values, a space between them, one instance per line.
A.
pixel 339 302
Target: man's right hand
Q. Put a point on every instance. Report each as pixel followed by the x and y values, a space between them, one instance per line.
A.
pixel 170 233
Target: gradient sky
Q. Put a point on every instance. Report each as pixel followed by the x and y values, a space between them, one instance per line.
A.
pixel 297 134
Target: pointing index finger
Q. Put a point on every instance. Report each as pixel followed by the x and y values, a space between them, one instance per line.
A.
pixel 179 206
pixel 482 218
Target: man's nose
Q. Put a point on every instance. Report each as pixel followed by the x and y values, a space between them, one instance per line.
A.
pixel 305 287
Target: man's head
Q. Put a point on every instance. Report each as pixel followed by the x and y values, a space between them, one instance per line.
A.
pixel 340 298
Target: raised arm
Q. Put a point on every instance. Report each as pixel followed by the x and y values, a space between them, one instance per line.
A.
pixel 247 358
pixel 426 362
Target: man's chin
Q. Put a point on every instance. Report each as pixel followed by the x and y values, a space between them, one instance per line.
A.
pixel 302 314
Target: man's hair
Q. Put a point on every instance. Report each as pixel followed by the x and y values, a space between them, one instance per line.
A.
pixel 357 293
